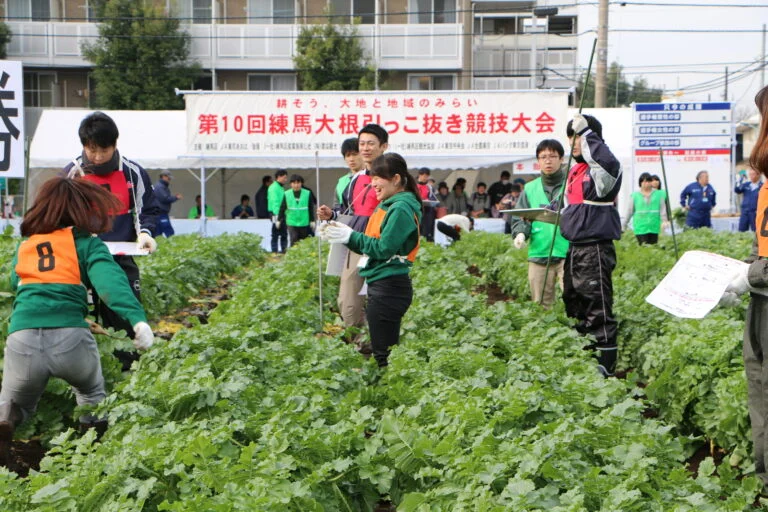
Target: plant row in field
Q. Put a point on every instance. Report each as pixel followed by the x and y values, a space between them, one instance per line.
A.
pixel 181 268
pixel 482 409
pixel 692 368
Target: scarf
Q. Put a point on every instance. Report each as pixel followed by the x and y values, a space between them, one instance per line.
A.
pixel 102 169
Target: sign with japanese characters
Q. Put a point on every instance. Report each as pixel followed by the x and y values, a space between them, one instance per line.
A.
pixel 440 123
pixel 12 115
pixel 695 136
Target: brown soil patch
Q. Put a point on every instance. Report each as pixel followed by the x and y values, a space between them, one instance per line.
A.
pixel 25 456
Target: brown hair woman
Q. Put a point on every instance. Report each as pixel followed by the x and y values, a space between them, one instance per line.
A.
pixel 48 336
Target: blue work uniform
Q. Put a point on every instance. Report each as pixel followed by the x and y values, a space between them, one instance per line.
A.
pixel 700 201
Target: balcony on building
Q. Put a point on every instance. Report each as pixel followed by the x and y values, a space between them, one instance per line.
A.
pixel 251 34
pixel 509 52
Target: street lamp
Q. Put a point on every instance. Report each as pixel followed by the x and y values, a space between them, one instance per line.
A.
pixel 544 12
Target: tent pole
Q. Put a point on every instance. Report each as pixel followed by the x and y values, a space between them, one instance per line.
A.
pixel 201 210
pixel 319 242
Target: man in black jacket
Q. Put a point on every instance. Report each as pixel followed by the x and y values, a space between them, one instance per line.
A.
pixel 260 199
pixel 165 199
pixel 590 222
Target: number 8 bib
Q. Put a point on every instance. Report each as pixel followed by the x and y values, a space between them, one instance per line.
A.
pixel 49 258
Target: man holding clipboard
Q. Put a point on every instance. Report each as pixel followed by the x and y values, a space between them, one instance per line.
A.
pixel 539 193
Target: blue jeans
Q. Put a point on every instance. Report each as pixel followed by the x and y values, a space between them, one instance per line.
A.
pixel 164 226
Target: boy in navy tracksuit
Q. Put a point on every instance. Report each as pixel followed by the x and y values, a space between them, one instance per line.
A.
pixel 101 163
pixel 749 190
pixel 698 199
pixel 590 222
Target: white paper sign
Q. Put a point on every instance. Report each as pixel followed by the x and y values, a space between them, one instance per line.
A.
pixel 695 284
pixel 125 249
pixel 337 259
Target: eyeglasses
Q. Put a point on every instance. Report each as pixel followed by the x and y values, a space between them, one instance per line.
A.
pixel 549 157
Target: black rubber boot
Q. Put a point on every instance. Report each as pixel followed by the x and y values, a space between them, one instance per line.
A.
pixel 10 418
pixel 100 426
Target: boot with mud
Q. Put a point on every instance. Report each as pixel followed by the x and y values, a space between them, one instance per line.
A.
pixel 10 417
pixel 100 426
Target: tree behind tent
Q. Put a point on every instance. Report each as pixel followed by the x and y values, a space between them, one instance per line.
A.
pixel 140 57
pixel 329 57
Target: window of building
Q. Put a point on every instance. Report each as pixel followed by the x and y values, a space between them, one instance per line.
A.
pixel 202 11
pixel 39 89
pixel 35 10
pixel 345 11
pixel 562 24
pixel 271 12
pixel 431 82
pixel 264 82
pixel 432 11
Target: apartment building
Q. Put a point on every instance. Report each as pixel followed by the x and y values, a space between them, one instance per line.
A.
pixel 249 44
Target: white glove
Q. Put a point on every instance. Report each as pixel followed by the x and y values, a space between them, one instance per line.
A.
pixel 579 124
pixel 739 284
pixel 519 241
pixel 337 233
pixel 312 225
pixel 147 242
pixel 277 224
pixel 665 225
pixel 143 339
pixel 729 300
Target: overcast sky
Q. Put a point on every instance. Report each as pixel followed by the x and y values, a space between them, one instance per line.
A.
pixel 673 60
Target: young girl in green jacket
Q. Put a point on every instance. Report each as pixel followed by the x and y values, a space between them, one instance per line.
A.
pixel 54 266
pixel 389 247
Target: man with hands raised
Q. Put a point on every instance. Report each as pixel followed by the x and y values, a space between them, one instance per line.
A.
pixel 591 222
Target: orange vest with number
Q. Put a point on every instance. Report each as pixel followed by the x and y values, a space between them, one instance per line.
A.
pixel 374 229
pixel 761 222
pixel 49 259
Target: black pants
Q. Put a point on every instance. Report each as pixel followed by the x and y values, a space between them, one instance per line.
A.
pixel 388 300
pixel 588 296
pixel 106 316
pixel 428 223
pixel 648 238
pixel 298 233
pixel 282 234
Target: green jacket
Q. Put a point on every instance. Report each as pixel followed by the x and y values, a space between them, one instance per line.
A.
pixel 194 212
pixel 399 236
pixel 54 305
pixel 275 195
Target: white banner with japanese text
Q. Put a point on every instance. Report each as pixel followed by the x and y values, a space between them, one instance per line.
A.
pixel 471 125
pixel 12 113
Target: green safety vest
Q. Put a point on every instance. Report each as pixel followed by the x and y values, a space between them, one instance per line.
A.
pixel 297 211
pixel 647 216
pixel 341 185
pixel 541 232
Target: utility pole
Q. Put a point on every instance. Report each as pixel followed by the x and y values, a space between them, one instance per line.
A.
pixel 601 78
pixel 725 94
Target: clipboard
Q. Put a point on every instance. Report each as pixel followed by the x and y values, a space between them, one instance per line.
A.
pixel 538 214
pixel 125 249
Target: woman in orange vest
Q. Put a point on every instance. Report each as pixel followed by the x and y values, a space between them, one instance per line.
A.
pixel 753 278
pixel 389 247
pixel 55 265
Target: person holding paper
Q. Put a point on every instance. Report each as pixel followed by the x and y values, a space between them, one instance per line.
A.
pixel 540 193
pixel 48 335
pixel 590 222
pixel 389 246
pixel 649 211
pixel 135 221
pixel 360 201
pixel 698 199
pixel 753 278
